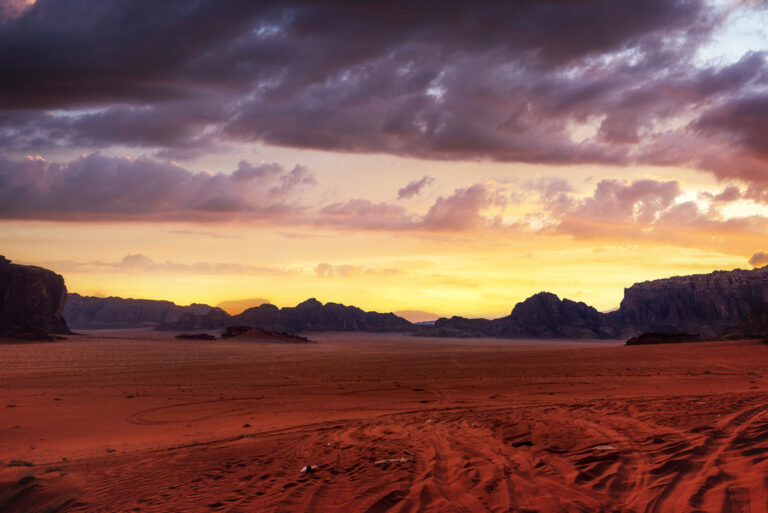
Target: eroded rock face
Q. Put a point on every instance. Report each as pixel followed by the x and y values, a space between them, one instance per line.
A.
pixel 705 304
pixel 31 301
pixel 87 312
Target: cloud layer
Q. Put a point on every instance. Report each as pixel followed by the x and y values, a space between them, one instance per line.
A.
pixel 594 81
pixel 95 187
pixel 139 263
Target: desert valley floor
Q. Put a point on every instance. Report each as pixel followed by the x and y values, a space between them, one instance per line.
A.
pixel 138 421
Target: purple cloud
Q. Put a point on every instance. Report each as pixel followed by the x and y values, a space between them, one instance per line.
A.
pixel 620 201
pixel 648 209
pixel 95 187
pixel 391 79
pixel 414 187
pixel 461 210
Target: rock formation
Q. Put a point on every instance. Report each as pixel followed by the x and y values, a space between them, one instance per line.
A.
pixel 31 301
pixel 87 312
pixel 704 304
pixel 663 338
pixel 701 304
pixel 311 315
pixel 265 317
pixel 542 315
pixel 247 334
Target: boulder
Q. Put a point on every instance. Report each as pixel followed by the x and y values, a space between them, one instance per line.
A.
pixel 664 338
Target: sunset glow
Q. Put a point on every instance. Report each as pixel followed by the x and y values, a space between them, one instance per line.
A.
pixel 383 157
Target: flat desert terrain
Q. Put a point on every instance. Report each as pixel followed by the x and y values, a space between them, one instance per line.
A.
pixel 137 421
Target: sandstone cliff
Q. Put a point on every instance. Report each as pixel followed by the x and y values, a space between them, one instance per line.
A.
pixel 704 304
pixel 31 301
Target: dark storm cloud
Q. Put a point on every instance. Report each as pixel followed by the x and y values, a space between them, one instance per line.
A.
pixel 95 187
pixel 67 53
pixel 742 123
pixel 513 81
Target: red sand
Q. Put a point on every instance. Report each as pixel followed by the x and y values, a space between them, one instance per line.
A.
pixel 131 424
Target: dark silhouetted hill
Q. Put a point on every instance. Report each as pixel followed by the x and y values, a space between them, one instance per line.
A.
pixel 311 315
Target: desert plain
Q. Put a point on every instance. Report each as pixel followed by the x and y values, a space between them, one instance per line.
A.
pixel 136 421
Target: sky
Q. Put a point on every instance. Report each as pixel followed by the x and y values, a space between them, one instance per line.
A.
pixel 440 158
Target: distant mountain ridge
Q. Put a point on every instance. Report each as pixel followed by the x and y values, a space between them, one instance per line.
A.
pixel 703 304
pixel 311 315
pixel 88 312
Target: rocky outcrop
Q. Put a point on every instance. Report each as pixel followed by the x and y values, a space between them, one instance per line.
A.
pixel 705 304
pixel 247 334
pixel 87 312
pixel 31 301
pixel 663 338
pixel 311 315
pixel 195 336
pixel 542 315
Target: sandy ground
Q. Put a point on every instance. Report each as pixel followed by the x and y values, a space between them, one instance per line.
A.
pixel 137 421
